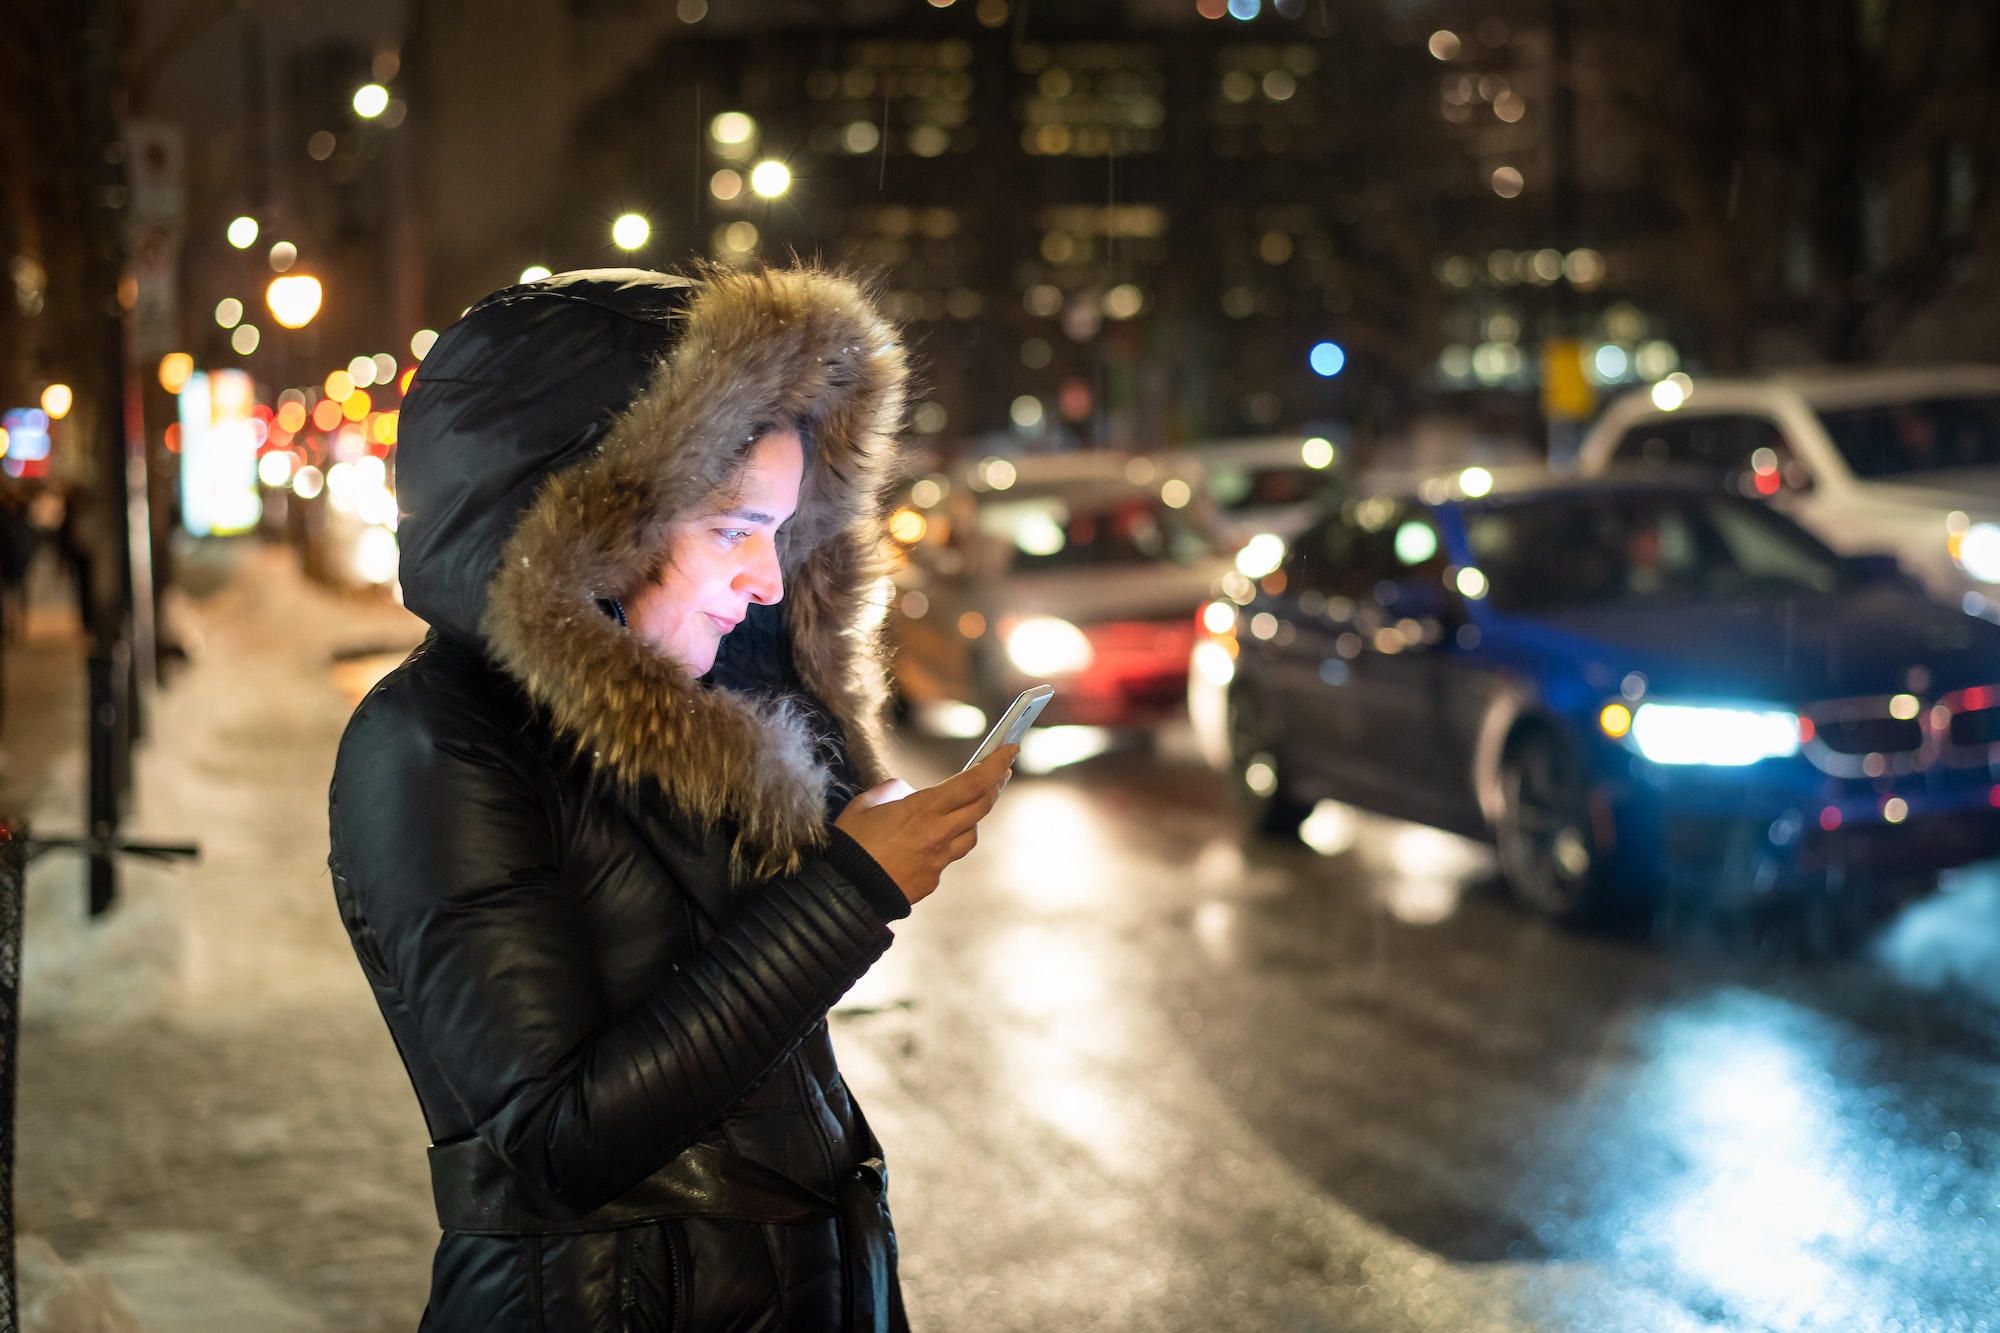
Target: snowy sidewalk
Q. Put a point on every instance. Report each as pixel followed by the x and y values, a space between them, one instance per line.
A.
pixel 211 1114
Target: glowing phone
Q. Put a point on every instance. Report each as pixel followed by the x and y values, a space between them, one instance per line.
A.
pixel 1014 723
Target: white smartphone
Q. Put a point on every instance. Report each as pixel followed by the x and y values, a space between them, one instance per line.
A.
pixel 1014 723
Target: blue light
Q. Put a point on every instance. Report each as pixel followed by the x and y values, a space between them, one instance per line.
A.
pixel 1244 9
pixel 1611 362
pixel 1327 359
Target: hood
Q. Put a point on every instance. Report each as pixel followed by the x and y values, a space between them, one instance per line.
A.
pixel 1859 642
pixel 550 438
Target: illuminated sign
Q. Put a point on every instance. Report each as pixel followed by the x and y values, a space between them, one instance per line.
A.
pixel 219 453
pixel 24 439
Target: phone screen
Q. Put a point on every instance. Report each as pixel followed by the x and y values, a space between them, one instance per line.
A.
pixel 1014 723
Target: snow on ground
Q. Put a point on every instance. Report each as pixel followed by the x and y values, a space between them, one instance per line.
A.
pixel 212 1118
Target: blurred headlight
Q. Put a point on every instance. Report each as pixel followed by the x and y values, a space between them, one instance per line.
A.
pixel 1979 552
pixel 1725 737
pixel 1047 646
pixel 1213 663
pixel 1261 554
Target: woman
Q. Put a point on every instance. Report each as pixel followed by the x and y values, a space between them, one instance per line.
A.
pixel 615 837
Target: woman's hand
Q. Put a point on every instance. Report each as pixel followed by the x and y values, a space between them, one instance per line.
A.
pixel 914 835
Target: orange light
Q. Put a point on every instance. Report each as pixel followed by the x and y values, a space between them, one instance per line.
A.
pixel 338 385
pixel 175 367
pixel 1806 730
pixel 327 414
pixel 907 526
pixel 57 400
pixel 291 417
pixel 403 382
pixel 972 624
pixel 356 406
pixel 173 440
pixel 382 428
pixel 1614 720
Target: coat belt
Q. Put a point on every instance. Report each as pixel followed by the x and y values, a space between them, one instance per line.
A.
pixel 478 1195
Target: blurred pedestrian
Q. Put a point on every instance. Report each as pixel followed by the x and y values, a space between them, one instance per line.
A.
pixel 612 841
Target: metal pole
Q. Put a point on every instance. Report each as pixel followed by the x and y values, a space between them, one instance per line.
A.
pixel 13 873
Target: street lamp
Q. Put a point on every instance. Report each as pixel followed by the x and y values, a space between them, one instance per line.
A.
pixel 630 231
pixel 294 299
pixel 370 100
pixel 770 179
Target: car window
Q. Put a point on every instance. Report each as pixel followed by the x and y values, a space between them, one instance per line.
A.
pixel 1932 434
pixel 1233 488
pixel 1370 542
pixel 1553 551
pixel 1770 552
pixel 1750 449
pixel 1048 533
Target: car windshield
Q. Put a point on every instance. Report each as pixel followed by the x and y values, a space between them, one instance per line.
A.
pixel 1555 551
pixel 1234 487
pixel 1051 533
pixel 1928 435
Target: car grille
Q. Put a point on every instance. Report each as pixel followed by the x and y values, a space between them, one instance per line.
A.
pixel 1861 738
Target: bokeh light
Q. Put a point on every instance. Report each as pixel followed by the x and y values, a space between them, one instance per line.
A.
pixel 242 232
pixel 294 299
pixel 630 231
pixel 370 100
pixel 1327 359
pixel 175 367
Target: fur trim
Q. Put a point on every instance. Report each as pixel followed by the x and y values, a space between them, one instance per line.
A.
pixel 756 349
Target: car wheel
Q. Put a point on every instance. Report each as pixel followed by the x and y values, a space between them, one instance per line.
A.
pixel 1260 779
pixel 1543 835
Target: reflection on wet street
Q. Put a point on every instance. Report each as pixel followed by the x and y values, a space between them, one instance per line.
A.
pixel 1137 1071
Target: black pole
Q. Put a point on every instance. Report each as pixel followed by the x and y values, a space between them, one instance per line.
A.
pixel 111 598
pixel 13 873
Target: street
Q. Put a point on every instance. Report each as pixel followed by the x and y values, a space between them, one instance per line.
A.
pixel 1133 1071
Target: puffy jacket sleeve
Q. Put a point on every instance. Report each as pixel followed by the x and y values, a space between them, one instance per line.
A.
pixel 442 831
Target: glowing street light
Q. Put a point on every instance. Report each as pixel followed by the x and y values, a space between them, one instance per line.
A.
pixel 370 100
pixel 294 299
pixel 57 400
pixel 175 367
pixel 242 233
pixel 630 231
pixel 770 179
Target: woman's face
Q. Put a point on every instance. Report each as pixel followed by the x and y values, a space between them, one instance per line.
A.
pixel 718 564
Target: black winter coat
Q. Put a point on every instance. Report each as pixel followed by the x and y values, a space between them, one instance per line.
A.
pixel 599 902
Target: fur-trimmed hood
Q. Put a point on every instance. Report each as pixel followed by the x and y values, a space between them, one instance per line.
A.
pixel 554 433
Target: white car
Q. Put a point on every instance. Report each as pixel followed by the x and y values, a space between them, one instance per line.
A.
pixel 1901 461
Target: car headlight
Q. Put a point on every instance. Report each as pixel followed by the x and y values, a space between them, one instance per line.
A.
pixel 1709 734
pixel 1978 551
pixel 1048 646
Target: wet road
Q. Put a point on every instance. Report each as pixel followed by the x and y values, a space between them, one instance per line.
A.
pixel 1132 1072
pixel 1135 1072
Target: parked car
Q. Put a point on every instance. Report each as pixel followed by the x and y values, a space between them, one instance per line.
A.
pixel 1274 484
pixel 1653 688
pixel 1082 570
pixel 1905 461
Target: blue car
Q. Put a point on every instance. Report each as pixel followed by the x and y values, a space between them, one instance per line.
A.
pixel 1650 689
